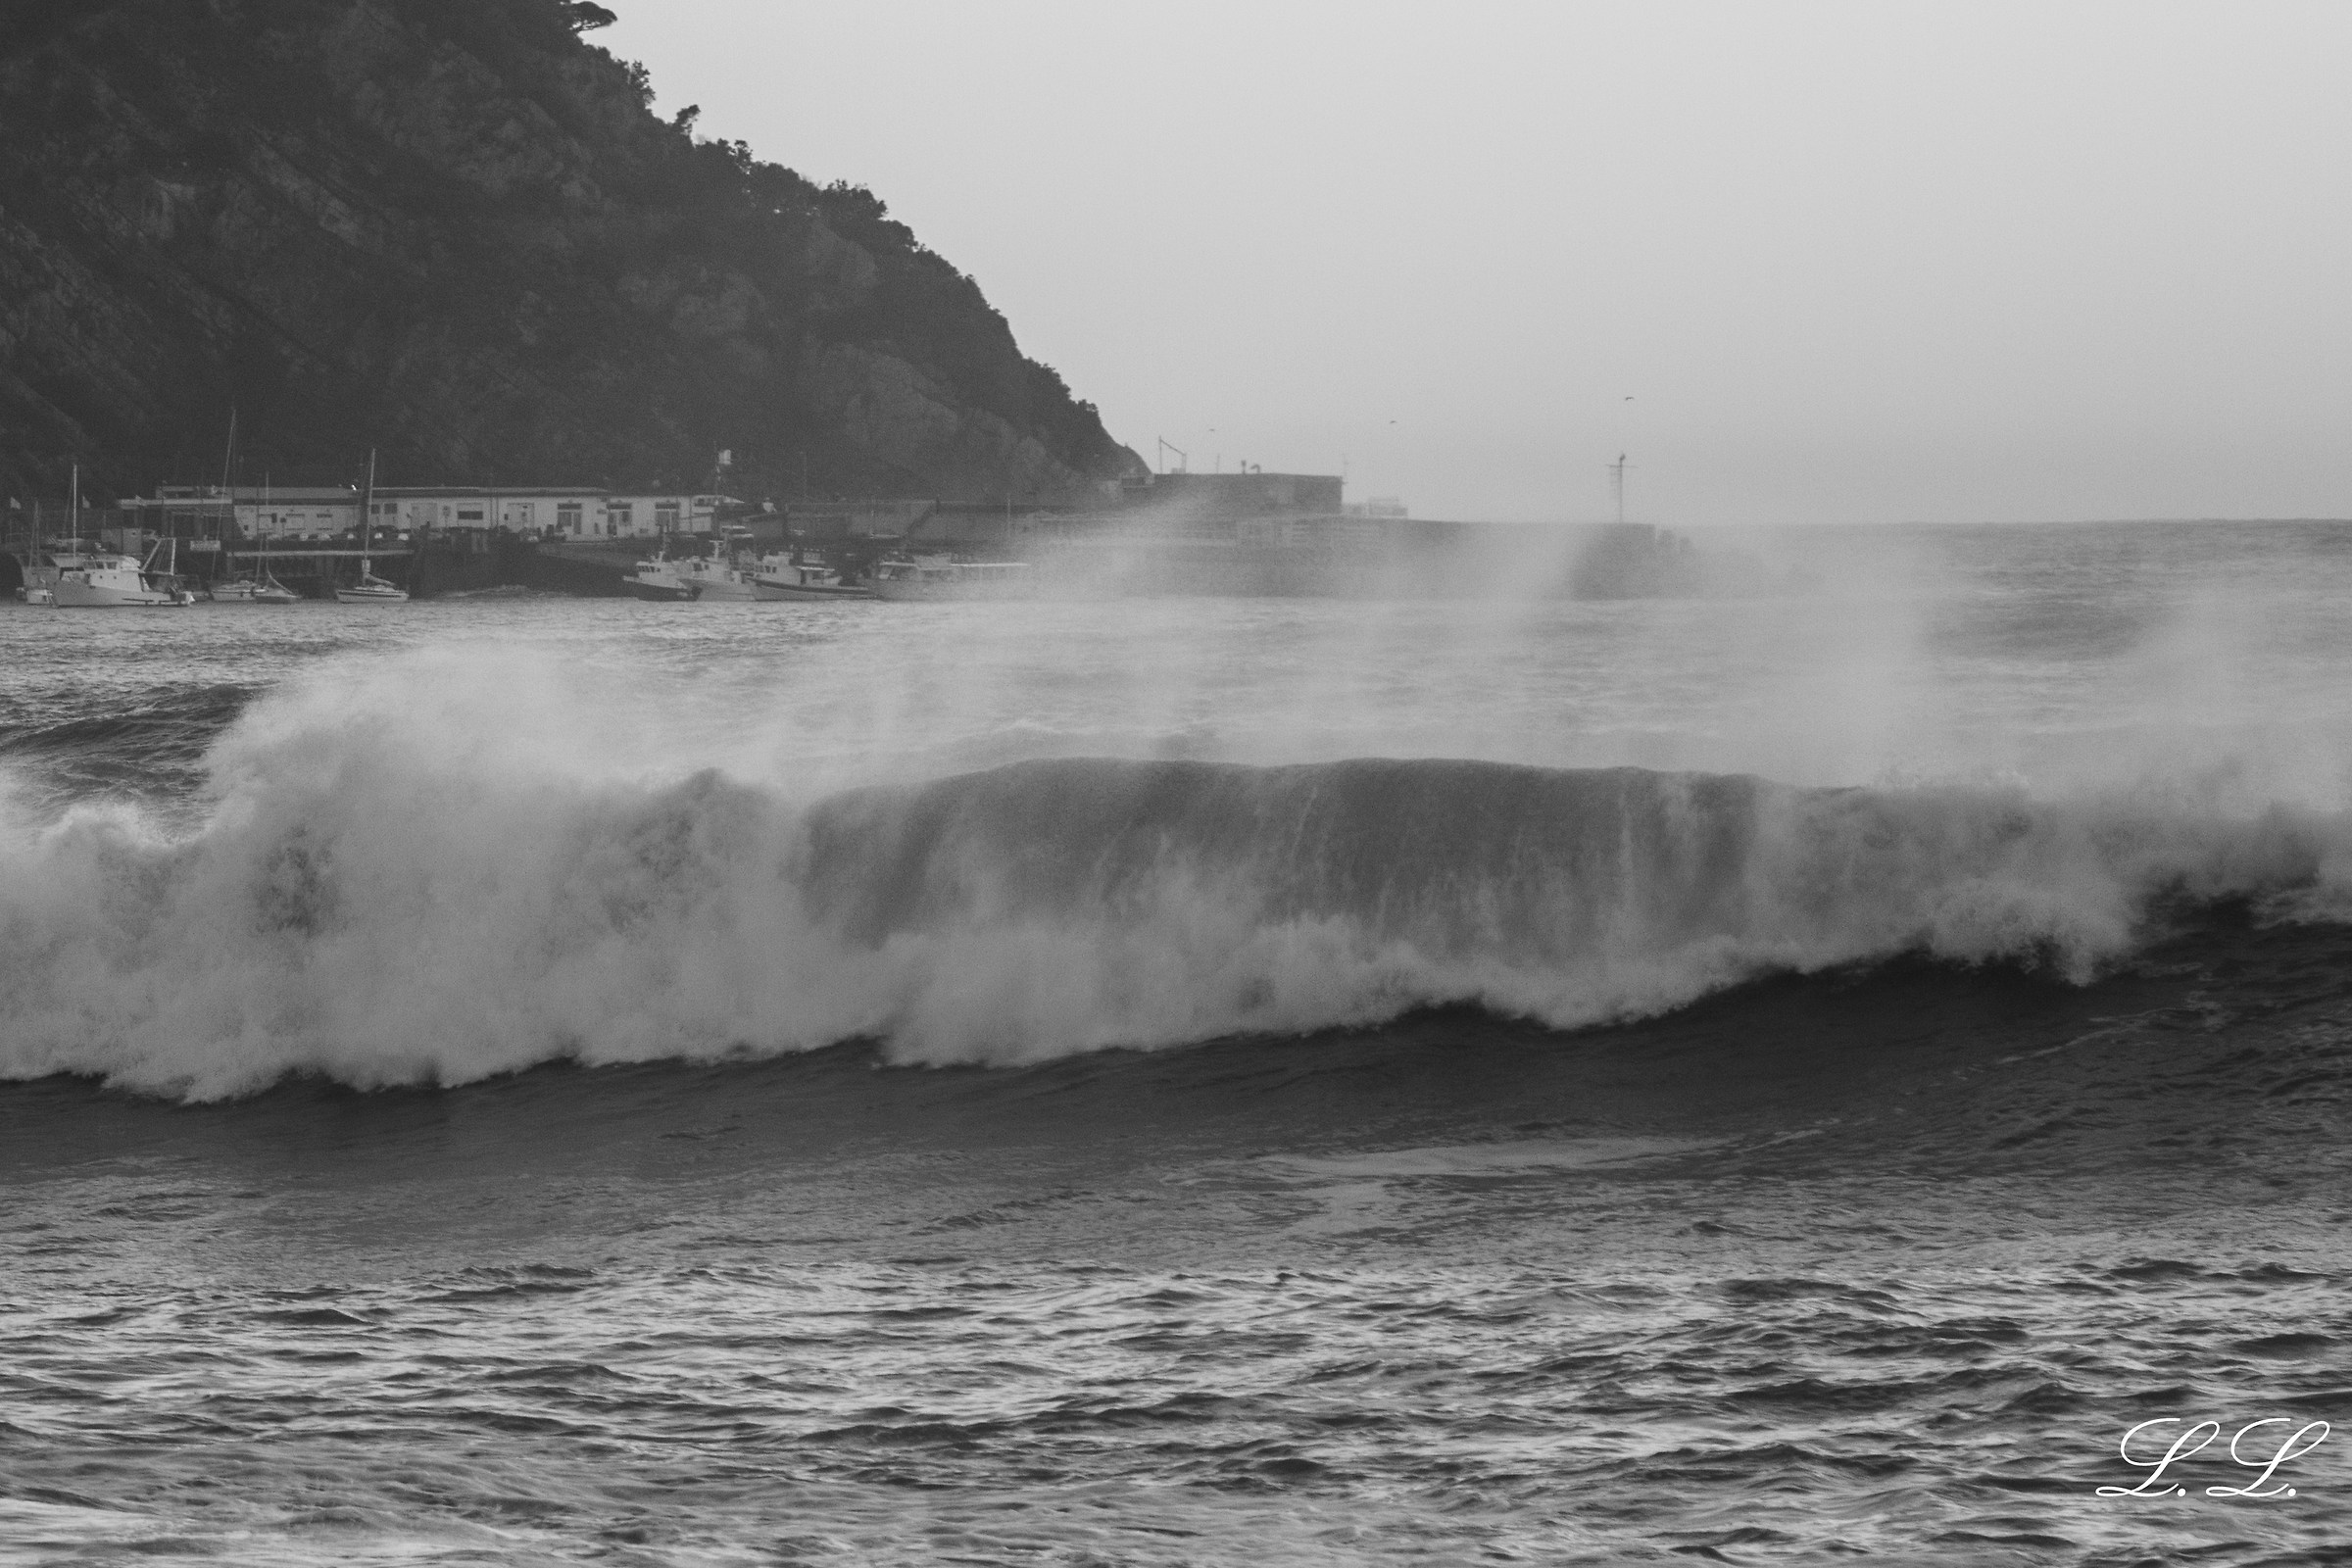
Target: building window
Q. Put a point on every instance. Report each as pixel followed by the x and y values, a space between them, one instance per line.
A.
pixel 666 516
pixel 568 517
pixel 469 515
pixel 623 516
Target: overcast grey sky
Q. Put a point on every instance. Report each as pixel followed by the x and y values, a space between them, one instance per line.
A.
pixel 1850 260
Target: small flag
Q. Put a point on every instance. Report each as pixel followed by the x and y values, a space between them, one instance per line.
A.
pixel 13 504
pixel 726 458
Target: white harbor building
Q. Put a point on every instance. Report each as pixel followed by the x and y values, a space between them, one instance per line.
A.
pixel 544 513
pixel 317 513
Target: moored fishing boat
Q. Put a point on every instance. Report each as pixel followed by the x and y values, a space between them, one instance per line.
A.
pixel 722 578
pixel 702 579
pixel 658 579
pixel 801 578
pixel 937 577
pixel 109 581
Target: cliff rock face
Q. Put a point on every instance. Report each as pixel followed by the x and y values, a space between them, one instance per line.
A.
pixel 453 229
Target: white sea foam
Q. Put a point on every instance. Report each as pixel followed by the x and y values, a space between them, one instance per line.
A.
pixel 402 878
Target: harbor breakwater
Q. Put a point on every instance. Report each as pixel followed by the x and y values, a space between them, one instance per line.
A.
pixel 1461 561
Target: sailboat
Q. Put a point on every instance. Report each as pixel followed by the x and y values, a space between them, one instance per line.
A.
pixel 46 561
pixel 268 590
pixel 255 587
pixel 259 587
pixel 370 589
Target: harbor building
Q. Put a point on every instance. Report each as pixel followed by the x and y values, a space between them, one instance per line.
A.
pixel 294 514
pixel 208 511
pixel 545 513
pixel 1213 502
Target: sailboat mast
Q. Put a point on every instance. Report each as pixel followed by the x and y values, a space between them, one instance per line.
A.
pixel 228 474
pixel 367 516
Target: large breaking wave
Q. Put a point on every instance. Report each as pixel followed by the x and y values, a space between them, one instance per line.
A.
pixel 357 902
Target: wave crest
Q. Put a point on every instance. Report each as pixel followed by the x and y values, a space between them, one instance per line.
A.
pixel 359 905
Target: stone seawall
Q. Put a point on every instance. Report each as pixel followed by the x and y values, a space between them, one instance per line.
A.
pixel 589 571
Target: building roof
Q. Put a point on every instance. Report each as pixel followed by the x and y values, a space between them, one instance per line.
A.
pixel 482 492
pixel 293 495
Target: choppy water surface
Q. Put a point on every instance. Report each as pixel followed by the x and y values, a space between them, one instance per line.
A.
pixel 524 1079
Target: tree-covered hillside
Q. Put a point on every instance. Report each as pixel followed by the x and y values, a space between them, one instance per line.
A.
pixel 453 229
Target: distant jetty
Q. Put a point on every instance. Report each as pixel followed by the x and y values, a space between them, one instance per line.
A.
pixel 1253 533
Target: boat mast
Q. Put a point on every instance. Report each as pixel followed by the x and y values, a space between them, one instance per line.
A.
pixel 228 465
pixel 73 509
pixel 368 519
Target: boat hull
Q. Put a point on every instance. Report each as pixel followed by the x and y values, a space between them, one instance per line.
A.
pixel 913 592
pixel 370 596
pixel 805 591
pixel 721 591
pixel 684 582
pixel 71 595
pixel 248 593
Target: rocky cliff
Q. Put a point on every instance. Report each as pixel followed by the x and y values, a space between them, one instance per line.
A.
pixel 453 229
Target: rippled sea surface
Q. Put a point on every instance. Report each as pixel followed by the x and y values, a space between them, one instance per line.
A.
pixel 1877 1261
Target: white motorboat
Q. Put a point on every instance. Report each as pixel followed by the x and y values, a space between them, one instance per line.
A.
pixel 722 578
pixel 79 578
pixel 658 579
pixel 805 579
pixel 106 581
pixel 704 579
pixel 937 577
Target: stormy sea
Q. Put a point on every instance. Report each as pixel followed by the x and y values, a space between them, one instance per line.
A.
pixel 1844 1073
